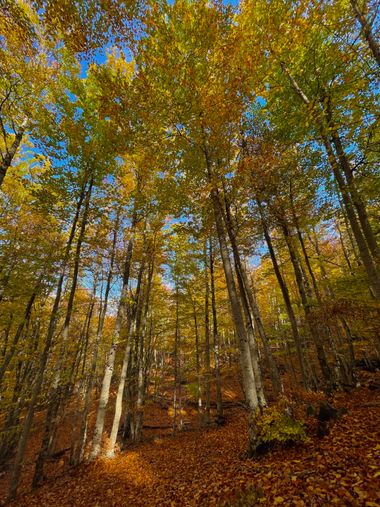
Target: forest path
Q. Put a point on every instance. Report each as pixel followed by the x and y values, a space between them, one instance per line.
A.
pixel 207 467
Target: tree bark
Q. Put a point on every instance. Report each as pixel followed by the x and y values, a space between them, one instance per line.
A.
pixel 176 394
pixel 246 300
pixel 197 363
pixel 11 152
pixel 248 378
pixel 305 372
pixel 219 399
pixel 51 421
pixel 144 354
pixel 303 247
pixel 344 250
pixel 369 265
pixel 337 167
pixel 207 341
pixel 366 31
pixel 132 329
pixel 110 361
pixel 28 310
pixel 305 303
pixel 351 186
pixel 17 468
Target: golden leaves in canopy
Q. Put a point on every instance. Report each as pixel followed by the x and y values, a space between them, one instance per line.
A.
pixel 86 26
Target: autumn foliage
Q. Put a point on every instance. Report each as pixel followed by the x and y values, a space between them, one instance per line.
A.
pixel 189 252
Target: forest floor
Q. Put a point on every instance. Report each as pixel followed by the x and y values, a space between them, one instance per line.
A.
pixel 207 467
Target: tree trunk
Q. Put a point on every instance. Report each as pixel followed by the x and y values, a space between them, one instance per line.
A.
pixel 28 310
pixel 351 187
pixel 372 274
pixel 17 468
pixel 247 303
pixel 110 361
pixel 305 372
pixel 274 372
pixel 303 247
pixel 10 154
pixel 176 394
pixel 56 398
pixel 219 400
pixel 369 265
pixel 248 378
pixel 305 303
pixel 366 31
pixel 207 342
pixel 132 329
pixel 99 333
pixel 144 353
pixel 197 363
pixel 242 337
pixel 344 250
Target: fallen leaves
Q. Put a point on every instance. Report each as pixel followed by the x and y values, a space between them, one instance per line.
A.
pixel 206 467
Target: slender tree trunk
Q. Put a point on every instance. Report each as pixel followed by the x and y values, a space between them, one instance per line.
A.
pixel 253 313
pixel 176 362
pixel 341 321
pixel 372 274
pixel 219 400
pixel 6 337
pixel 24 370
pixel 110 361
pixel 119 396
pixel 134 325
pixel 305 304
pixel 366 31
pixel 90 379
pixel 5 280
pixel 87 327
pixel 78 444
pixel 373 278
pixel 247 303
pixel 207 342
pixel 305 372
pixel 357 200
pixel 130 391
pixel 10 430
pixel 17 468
pixel 56 398
pixel 144 353
pixel 352 189
pixel 248 378
pixel 11 152
pixel 197 363
pixel 274 372
pixel 303 248
pixel 26 317
pixel 243 343
pixel 348 230
pixel 344 250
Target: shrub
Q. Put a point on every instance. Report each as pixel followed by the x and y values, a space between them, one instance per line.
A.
pixel 276 425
